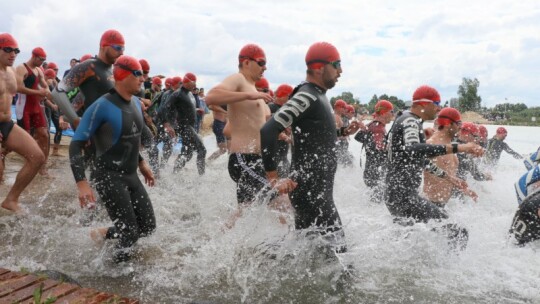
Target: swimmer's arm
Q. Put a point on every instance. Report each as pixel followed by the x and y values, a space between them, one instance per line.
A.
pixel 511 152
pixel 229 92
pixel 217 109
pixel 77 75
pixel 269 143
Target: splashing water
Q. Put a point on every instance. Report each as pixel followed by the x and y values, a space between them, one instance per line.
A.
pixel 190 257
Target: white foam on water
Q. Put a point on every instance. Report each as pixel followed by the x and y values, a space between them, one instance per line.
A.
pixel 191 258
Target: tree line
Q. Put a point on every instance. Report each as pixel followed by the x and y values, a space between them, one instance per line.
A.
pixel 467 99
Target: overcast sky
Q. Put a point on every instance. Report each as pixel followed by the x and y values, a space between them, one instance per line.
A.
pixel 387 47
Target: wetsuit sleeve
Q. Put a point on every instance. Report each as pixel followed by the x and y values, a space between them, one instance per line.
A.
pixel 77 75
pixel 90 122
pixel 511 152
pixel 293 110
pixel 434 169
pixel 411 139
pixel 166 115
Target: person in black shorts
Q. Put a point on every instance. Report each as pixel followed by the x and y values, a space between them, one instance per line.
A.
pixel 115 123
pixel 309 114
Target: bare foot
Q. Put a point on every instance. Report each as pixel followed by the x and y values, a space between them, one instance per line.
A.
pixel 98 236
pixel 13 206
pixel 56 152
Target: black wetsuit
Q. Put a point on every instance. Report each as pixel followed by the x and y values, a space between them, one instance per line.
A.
pixel 494 150
pixel 526 224
pixel 116 125
pixel 180 113
pixel 407 153
pixel 373 141
pixel 284 164
pixel 314 164
pixel 468 165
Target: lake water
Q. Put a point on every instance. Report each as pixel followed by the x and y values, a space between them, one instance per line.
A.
pixel 190 258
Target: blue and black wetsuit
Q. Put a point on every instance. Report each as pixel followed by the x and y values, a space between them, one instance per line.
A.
pixel 115 125
pixel 407 155
pixel 526 224
pixel 314 162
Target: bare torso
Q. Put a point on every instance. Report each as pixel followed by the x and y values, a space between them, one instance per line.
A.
pixel 8 88
pixel 244 117
pixel 437 189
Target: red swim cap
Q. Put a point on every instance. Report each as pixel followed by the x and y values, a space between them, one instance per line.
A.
pixel 501 130
pixel 145 66
pixel 39 52
pixel 251 51
pixel 262 84
pixel 340 104
pixel 350 108
pixel 52 65
pixel 470 128
pixel 176 80
pixel 190 77
pixel 123 67
pixel 382 107
pixel 284 90
pixel 483 131
pixel 50 74
pixel 156 81
pixel 6 40
pixel 111 37
pixel 86 57
pixel 321 53
pixel 426 94
pixel 447 116
pixel 168 82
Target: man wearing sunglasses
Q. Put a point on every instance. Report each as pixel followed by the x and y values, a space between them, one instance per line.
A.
pixel 115 122
pixel 408 155
pixel 13 137
pixel 436 189
pixel 309 114
pixel 32 83
pixel 93 76
pixel 247 112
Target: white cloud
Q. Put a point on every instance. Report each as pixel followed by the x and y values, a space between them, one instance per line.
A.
pixel 386 47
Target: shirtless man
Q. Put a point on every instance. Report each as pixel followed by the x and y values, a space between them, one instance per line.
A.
pixel 247 112
pixel 31 82
pixel 13 137
pixel 436 189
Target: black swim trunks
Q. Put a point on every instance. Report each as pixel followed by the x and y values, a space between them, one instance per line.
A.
pixel 5 129
pixel 248 172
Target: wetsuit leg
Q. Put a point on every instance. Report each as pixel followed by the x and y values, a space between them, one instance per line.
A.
pixel 55 118
pixel 413 206
pixel 190 143
pixel 129 208
pixel 313 201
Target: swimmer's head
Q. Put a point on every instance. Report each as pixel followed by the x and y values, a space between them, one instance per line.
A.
pixel 125 66
pixel 382 107
pixel 321 53
pixel 7 41
pixel 448 116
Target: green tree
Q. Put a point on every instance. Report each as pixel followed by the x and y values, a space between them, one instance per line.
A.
pixel 348 97
pixel 468 95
